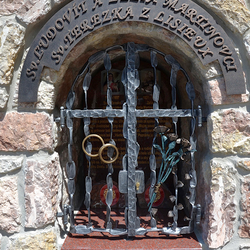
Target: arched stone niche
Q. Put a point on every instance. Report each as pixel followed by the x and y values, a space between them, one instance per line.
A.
pixel 218 161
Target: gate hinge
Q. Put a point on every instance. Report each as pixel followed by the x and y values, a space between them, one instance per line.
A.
pixel 61 119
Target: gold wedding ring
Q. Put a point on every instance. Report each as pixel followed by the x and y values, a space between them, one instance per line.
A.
pixel 105 146
pixel 101 149
pixel 89 136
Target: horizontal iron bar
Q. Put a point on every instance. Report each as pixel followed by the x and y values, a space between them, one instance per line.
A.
pixel 152 113
pixel 96 113
pixel 147 113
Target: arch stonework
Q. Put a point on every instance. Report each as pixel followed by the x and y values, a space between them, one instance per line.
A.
pixel 79 18
pixel 28 149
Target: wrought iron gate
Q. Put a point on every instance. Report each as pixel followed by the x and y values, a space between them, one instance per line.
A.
pixel 131 181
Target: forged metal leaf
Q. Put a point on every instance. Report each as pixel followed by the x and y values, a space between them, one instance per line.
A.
pixel 154 61
pixel 152 162
pixel 164 137
pixel 190 90
pixel 88 184
pixel 151 192
pixel 179 184
pixel 152 178
pixel 107 62
pixel 88 147
pixel 109 197
pixel 171 145
pixel 137 60
pixel 109 181
pixel 172 198
pixel 124 161
pixel 87 200
pixel 137 148
pixel 71 170
pixel 111 150
pixel 96 57
pixel 71 186
pixel 109 97
pixel 69 122
pixel 155 105
pixel 124 78
pixel 86 81
pixel 170 60
pixel 70 100
pixel 156 93
pixel 136 80
pixel 125 130
pixel 157 147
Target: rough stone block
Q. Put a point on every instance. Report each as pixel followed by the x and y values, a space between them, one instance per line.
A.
pixel 12 38
pixel 229 132
pixel 37 241
pixel 234 13
pixel 42 188
pixel 9 206
pixel 244 230
pixel 215 93
pixel 8 164
pixel 246 41
pixel 46 96
pixel 26 131
pixel 27 11
pixel 222 209
pixel 244 163
pixel 4 97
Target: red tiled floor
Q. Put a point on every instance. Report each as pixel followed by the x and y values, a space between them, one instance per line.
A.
pixel 102 241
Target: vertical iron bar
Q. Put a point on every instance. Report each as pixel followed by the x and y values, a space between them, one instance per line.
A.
pixel 131 121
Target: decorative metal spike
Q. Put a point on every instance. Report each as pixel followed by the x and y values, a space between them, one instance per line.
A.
pixel 187 176
pixel 180 206
pixel 170 214
pixel 172 198
pixel 179 184
pixel 186 218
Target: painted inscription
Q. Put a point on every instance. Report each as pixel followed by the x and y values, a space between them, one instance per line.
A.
pixel 182 17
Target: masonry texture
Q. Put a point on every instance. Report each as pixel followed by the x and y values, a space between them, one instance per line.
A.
pixel 31 174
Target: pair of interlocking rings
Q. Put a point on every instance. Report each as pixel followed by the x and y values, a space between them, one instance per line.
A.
pixel 104 145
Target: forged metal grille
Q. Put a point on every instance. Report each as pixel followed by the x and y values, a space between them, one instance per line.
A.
pixel 131 180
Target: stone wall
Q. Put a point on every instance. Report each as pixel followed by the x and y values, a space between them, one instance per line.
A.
pixel 30 170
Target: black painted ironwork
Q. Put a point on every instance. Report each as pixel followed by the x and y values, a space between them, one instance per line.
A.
pixel 131 181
